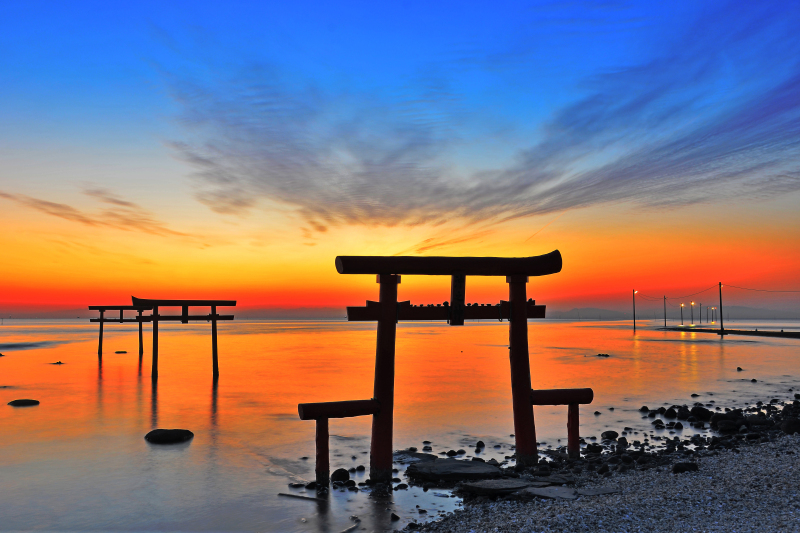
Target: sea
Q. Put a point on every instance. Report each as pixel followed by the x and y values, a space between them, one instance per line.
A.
pixel 79 461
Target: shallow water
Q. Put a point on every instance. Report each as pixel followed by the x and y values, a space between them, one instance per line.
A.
pixel 79 461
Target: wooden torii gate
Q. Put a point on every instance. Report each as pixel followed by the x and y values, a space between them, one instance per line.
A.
pixel 121 308
pixel 388 311
pixel 185 318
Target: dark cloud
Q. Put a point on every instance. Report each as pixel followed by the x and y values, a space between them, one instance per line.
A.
pixel 715 115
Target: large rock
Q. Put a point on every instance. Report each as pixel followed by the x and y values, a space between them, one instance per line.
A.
pixel 701 413
pixel 610 435
pixel 790 426
pixel 340 474
pixel 452 470
pixel 405 457
pixel 23 403
pixel 168 436
pixel 553 493
pixel 495 487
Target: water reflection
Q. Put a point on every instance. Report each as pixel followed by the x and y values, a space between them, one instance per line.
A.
pixel 154 403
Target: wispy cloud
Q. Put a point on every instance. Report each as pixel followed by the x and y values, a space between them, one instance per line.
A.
pixel 715 114
pixel 125 215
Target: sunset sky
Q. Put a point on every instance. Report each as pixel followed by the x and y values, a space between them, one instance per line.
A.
pixel 234 149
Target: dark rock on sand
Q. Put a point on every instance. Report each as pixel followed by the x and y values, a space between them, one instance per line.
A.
pixel 168 436
pixel 644 409
pixel 452 470
pixel 670 413
pixel 23 403
pixel 790 426
pixel 340 474
pixel 610 435
pixel 121 351
pixel 684 413
pixel 680 468
pixel 701 413
pixel 394 517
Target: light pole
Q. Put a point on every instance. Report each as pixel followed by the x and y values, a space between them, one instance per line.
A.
pixel 700 307
pixel 681 314
pixel 721 320
pixel 634 309
pixel 691 312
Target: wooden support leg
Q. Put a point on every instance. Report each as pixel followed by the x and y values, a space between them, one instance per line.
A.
pixel 215 360
pixel 573 432
pixel 141 344
pixel 380 460
pixel 524 429
pixel 100 341
pixel 154 369
pixel 323 468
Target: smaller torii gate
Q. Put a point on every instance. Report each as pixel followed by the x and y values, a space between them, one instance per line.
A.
pixel 121 308
pixel 388 311
pixel 185 318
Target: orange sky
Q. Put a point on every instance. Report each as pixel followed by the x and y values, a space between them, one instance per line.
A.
pixel 269 259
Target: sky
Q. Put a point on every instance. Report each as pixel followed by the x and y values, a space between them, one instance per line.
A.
pixel 201 150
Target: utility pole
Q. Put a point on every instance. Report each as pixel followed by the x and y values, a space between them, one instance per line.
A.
pixel 681 314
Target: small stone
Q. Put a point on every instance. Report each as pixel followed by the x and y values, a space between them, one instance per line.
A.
pixel 168 436
pixel 340 474
pixel 394 517
pixel 121 351
pixel 678 425
pixel 753 380
pixel 23 403
pixel 739 369
pixel 311 485
pixel 610 435
pixel 480 443
pixel 297 485
pixel 452 453
pixel 361 468
pixel 670 413
pixel 644 409
pixel 680 468
pixel 597 413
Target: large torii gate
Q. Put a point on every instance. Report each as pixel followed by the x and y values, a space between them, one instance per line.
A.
pixel 388 311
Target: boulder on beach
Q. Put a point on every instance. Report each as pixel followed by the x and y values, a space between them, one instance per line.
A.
pixel 701 413
pixel 790 426
pixel 23 403
pixel 610 435
pixel 452 470
pixel 340 474
pixel 168 436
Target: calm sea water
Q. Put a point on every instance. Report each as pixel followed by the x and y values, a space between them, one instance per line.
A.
pixel 79 461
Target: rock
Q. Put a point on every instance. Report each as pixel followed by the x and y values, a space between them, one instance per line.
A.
pixel 678 425
pixel 695 395
pixel 680 468
pixel 297 485
pixel 603 469
pixel 480 444
pixel 644 409
pixel 168 436
pixel 311 485
pixel 492 462
pixel 797 396
pixel 597 492
pixel 478 459
pixel 460 452
pixel 727 426
pixel 684 413
pixel 57 363
pixel 754 380
pixel 670 413
pixel 394 517
pixel 452 470
pixel 23 403
pixel 701 413
pixel 405 457
pixel 340 474
pixel 427 448
pixel 554 493
pixel 361 468
pixel 597 413
pixel 495 487
pixel 790 426
pixel 121 351
pixel 594 448
pixel 610 435
pixel 452 453
pixel 622 441
pixel 603 355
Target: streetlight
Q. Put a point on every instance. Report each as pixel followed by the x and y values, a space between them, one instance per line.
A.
pixel 681 314
pixel 634 309
pixel 691 311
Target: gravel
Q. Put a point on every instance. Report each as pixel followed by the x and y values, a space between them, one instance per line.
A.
pixel 754 488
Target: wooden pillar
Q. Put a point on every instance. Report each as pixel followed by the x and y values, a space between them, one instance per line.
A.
pixel 573 432
pixel 215 361
pixel 154 369
pixel 141 344
pixel 380 461
pixel 323 467
pixel 100 341
pixel 524 429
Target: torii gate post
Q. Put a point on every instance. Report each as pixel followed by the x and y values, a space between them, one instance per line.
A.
pixel 380 459
pixel 524 428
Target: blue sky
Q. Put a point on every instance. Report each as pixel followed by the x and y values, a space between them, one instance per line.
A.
pixel 481 109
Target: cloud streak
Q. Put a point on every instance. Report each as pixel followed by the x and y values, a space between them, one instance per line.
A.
pixel 125 215
pixel 716 114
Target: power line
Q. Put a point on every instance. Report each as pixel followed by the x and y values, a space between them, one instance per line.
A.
pixel 747 289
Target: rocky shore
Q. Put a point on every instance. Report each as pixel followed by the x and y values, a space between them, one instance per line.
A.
pixel 741 474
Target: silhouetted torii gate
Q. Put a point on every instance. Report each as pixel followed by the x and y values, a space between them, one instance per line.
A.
pixel 185 318
pixel 388 311
pixel 121 308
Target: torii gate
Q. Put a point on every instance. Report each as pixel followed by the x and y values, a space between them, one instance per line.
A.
pixel 387 311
